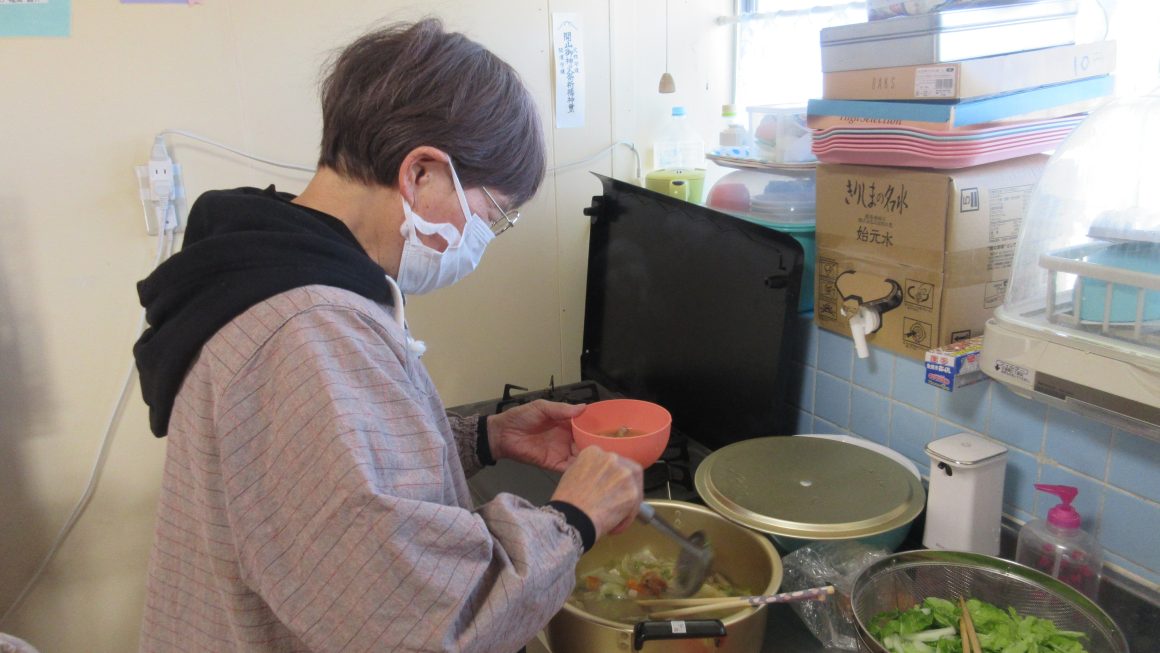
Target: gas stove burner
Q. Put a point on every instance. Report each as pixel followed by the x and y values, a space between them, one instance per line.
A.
pixel 673 472
pixel 674 477
pixel 584 392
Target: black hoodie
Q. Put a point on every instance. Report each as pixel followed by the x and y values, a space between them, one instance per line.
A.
pixel 241 246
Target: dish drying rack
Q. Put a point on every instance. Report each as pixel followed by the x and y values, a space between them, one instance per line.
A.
pixel 1067 307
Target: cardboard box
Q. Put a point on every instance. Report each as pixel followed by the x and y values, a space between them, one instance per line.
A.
pixel 929 250
pixel 970 78
pixel 956 365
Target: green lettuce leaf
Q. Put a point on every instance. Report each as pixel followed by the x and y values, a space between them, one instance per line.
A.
pixel 932 627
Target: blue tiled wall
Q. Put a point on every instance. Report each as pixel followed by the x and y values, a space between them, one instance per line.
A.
pixel 884 399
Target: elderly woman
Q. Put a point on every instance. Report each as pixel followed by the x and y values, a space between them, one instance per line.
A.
pixel 314 494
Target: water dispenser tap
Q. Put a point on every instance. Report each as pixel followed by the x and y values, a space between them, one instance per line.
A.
pixel 866 316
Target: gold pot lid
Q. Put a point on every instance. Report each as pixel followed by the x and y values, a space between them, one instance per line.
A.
pixel 809 488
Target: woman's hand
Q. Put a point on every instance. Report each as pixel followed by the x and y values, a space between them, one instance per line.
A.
pixel 605 487
pixel 538 433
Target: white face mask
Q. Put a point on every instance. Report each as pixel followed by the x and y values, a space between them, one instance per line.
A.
pixel 422 268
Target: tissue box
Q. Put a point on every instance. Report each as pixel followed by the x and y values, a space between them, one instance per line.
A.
pixel 956 365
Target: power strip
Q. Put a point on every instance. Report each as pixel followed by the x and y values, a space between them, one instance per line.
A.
pixel 162 191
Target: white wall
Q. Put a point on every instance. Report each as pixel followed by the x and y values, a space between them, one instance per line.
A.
pixel 79 112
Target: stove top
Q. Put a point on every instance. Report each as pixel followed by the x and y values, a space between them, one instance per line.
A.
pixel 583 392
pixel 671 477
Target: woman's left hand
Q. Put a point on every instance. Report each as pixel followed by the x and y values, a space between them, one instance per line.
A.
pixel 538 433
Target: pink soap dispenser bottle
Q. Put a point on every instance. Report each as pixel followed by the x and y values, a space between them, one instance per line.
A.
pixel 1058 546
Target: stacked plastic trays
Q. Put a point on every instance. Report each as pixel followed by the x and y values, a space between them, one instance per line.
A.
pixel 964 85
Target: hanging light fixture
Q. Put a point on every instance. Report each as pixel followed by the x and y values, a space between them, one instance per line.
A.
pixel 667 85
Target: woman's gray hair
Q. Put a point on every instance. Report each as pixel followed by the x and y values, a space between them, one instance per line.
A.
pixel 409 85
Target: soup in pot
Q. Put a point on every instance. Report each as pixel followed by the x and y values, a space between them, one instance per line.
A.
pixel 611 591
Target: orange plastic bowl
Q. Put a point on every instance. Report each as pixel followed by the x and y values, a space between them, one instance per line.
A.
pixel 592 428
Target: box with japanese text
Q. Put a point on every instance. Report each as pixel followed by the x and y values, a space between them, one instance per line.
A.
pixel 928 251
pixel 955 365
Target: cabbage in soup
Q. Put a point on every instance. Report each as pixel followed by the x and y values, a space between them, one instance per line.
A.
pixel 611 591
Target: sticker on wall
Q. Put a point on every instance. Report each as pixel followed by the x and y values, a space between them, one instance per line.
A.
pixel 35 17
pixel 567 43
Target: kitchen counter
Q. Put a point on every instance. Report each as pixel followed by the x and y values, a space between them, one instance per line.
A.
pixel 785 632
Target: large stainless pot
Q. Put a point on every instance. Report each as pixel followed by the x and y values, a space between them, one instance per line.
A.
pixel 744 557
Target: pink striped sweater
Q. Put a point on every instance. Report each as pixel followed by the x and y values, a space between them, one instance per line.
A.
pixel 315 499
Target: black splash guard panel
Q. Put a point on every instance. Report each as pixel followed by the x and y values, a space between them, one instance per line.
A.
pixel 688 307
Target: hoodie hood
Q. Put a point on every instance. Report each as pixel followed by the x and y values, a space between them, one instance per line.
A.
pixel 241 247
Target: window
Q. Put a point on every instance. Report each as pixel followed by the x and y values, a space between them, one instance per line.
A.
pixel 778 56
pixel 1132 25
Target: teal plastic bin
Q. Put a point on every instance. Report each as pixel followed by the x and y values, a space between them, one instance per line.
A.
pixel 784 201
pixel 1134 257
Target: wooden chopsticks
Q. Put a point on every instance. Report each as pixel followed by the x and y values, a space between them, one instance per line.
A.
pixel 685 607
pixel 967 630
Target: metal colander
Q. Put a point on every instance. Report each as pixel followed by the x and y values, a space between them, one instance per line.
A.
pixel 902 580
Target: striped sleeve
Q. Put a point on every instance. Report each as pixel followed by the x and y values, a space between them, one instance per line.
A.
pixel 466 430
pixel 340 478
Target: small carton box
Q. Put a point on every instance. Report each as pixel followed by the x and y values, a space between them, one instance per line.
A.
pixel 956 365
pixel 971 78
pixel 929 250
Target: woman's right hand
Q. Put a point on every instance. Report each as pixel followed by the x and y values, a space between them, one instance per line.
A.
pixel 607 487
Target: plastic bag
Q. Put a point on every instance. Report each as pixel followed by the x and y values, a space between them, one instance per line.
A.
pixel 829 563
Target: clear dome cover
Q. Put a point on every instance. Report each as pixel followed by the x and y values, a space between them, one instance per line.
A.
pixel 783 200
pixel 1087 266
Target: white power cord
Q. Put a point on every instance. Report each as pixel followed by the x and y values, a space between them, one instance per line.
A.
pixel 629 144
pixel 164 249
pixel 203 139
pixel 161 195
pixel 193 136
pixel 162 192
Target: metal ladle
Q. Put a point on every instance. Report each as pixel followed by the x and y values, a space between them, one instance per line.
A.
pixel 694 559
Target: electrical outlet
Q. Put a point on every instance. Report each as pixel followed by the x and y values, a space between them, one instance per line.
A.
pixel 161 173
pixel 151 177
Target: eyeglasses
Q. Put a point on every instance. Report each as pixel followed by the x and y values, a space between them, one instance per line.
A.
pixel 507 221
